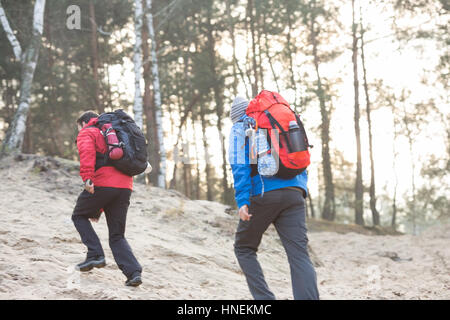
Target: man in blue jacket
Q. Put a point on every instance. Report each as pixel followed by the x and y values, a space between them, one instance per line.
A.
pixel 262 201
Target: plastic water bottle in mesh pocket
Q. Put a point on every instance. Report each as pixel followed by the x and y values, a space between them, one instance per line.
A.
pixel 267 165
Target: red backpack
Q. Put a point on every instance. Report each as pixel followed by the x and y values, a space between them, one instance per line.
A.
pixel 271 111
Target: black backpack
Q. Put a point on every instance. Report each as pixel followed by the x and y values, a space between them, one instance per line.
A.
pixel 134 145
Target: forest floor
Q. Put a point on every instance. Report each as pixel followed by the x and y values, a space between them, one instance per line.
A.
pixel 186 247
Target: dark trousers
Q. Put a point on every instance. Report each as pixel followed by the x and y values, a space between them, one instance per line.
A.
pixel 115 202
pixel 285 208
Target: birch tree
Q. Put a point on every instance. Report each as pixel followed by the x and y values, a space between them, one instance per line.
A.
pixel 156 95
pixel 137 59
pixel 28 60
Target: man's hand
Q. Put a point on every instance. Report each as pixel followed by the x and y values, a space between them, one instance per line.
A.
pixel 89 186
pixel 243 213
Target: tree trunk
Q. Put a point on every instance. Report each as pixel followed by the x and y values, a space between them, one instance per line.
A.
pixel 259 36
pixel 187 174
pixel 329 207
pixel 409 136
pixel 233 43
pixel 209 187
pixel 183 120
pixel 197 167
pixel 17 49
pixel 28 141
pixel 219 102
pixel 373 199
pixel 394 205
pixel 16 131
pixel 394 166
pixel 176 151
pixel 9 100
pixel 94 57
pixel 173 182
pixel 149 110
pixel 51 94
pixel 359 209
pixel 137 58
pixel 311 205
pixel 157 96
pixel 290 53
pixel 413 184
pixel 250 16
pixel 269 58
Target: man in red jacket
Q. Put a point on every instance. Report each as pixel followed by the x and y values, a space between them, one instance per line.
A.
pixel 105 189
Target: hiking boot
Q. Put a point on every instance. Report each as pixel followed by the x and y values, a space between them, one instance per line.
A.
pixel 134 281
pixel 90 263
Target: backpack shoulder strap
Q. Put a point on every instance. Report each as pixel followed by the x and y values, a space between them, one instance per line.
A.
pixel 274 123
pixel 101 159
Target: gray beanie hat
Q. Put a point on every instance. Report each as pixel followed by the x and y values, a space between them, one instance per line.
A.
pixel 238 108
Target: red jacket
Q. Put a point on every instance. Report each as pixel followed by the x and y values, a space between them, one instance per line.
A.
pixel 89 142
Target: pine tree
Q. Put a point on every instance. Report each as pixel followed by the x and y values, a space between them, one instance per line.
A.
pixel 359 189
pixel 373 199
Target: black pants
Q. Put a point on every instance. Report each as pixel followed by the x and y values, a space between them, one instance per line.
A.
pixel 285 208
pixel 115 202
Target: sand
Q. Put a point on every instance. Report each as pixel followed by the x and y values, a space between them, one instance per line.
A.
pixel 186 248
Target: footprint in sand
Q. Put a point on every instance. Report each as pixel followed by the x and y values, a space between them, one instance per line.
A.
pixel 25 243
pixel 65 240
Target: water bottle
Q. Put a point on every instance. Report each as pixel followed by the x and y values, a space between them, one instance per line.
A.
pixel 296 138
pixel 267 165
pixel 148 169
pixel 114 146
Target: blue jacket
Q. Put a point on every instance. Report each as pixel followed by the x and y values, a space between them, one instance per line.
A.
pixel 244 185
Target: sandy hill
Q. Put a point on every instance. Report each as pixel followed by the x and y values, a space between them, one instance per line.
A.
pixel 186 248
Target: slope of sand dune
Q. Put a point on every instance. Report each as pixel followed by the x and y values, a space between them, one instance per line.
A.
pixel 186 248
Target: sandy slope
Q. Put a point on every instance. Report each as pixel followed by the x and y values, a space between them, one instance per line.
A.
pixel 186 249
